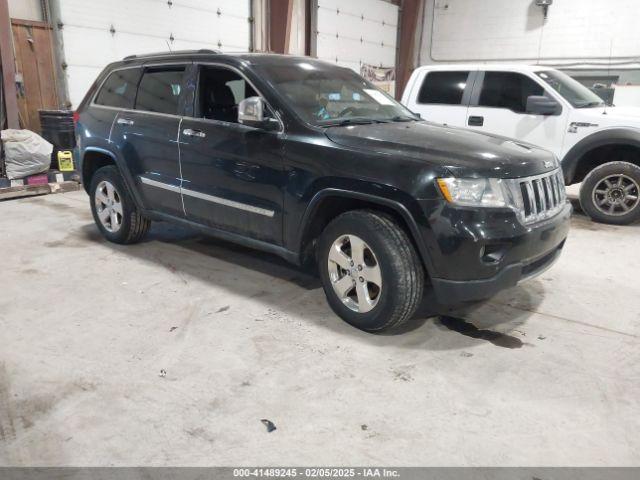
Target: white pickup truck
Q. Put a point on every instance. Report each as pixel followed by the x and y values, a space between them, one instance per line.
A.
pixel 597 145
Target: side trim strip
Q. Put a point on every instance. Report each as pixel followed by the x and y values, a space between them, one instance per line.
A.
pixel 209 198
pixel 155 183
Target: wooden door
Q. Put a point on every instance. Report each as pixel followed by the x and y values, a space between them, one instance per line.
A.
pixel 34 66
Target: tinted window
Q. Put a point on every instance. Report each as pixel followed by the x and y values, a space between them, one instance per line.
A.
pixel 159 91
pixel 508 90
pixel 220 92
pixel 119 90
pixel 443 87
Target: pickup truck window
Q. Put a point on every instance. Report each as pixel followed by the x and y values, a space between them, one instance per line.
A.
pixel 571 90
pixel 119 89
pixel 444 88
pixel 326 95
pixel 159 90
pixel 508 90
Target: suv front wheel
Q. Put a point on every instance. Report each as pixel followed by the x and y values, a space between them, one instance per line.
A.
pixel 371 273
pixel 610 193
pixel 113 209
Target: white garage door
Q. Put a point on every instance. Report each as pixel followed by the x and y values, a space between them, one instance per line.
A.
pixel 96 32
pixel 357 32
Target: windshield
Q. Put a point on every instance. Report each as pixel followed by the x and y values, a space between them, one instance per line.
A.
pixel 571 90
pixel 325 95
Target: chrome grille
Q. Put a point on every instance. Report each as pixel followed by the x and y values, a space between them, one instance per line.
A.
pixel 542 196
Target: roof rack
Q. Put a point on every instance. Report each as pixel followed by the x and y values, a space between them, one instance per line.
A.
pixel 177 52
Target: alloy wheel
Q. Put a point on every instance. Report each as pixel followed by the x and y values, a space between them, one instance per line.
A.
pixel 616 195
pixel 108 206
pixel 355 273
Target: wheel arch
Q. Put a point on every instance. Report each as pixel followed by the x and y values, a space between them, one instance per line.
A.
pixel 94 158
pixel 328 203
pixel 593 151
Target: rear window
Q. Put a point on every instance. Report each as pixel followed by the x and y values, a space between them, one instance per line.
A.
pixel 119 90
pixel 443 87
pixel 159 90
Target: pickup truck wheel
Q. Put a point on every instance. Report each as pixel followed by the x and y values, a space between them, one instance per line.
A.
pixel 610 193
pixel 113 209
pixel 371 273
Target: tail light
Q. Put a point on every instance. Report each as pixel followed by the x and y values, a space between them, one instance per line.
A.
pixel 76 118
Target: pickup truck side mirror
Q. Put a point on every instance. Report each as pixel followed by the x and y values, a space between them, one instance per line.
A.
pixel 251 112
pixel 541 105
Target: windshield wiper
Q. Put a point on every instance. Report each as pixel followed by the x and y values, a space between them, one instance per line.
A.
pixel 403 118
pixel 591 104
pixel 351 121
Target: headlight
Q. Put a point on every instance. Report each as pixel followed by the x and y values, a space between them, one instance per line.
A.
pixel 476 192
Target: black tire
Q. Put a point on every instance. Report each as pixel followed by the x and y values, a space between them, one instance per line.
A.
pixel 133 224
pixel 401 271
pixel 596 177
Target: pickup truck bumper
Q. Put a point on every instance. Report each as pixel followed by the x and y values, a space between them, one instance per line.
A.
pixel 508 259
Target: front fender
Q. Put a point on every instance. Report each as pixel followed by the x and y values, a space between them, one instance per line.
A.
pixel 400 202
pixel 610 136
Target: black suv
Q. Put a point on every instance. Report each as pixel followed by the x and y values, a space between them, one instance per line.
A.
pixel 311 162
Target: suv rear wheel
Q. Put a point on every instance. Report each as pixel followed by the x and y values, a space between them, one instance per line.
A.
pixel 610 193
pixel 371 273
pixel 113 209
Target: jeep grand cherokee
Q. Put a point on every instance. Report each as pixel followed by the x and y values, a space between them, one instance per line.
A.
pixel 311 162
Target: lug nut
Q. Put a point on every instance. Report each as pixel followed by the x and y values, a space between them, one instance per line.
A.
pixel 361 279
pixel 359 268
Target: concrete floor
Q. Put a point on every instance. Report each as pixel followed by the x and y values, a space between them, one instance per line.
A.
pixel 547 373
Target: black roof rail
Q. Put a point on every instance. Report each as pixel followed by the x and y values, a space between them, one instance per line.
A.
pixel 178 52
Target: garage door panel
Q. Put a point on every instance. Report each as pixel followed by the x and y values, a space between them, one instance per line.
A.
pixel 226 7
pixel 145 26
pixel 79 79
pixel 357 32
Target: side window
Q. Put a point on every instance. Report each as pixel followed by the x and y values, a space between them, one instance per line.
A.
pixel 119 90
pixel 443 88
pixel 220 90
pixel 159 90
pixel 508 90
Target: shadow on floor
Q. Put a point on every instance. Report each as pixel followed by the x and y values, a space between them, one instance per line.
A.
pixel 185 251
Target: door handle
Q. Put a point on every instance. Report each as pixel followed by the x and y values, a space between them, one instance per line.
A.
pixel 125 121
pixel 194 133
pixel 475 121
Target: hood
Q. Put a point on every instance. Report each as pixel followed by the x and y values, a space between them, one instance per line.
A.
pixel 609 117
pixel 464 153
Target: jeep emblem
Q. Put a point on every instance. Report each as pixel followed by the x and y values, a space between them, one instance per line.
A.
pixel 548 164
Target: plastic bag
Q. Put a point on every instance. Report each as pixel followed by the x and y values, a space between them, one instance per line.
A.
pixel 25 153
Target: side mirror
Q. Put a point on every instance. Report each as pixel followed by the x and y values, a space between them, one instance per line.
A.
pixel 541 105
pixel 251 112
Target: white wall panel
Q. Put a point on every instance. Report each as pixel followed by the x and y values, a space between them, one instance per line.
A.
pixel 358 31
pixel 468 30
pixel 144 26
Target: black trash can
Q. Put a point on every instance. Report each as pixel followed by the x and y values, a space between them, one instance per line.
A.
pixel 57 128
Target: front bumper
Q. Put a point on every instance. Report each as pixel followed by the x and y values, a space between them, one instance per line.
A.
pixel 493 259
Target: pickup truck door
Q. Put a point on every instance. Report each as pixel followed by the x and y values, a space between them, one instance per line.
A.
pixel 232 174
pixel 498 106
pixel 442 96
pixel 147 137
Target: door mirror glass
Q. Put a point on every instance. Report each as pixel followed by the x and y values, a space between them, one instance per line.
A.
pixel 541 105
pixel 253 112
